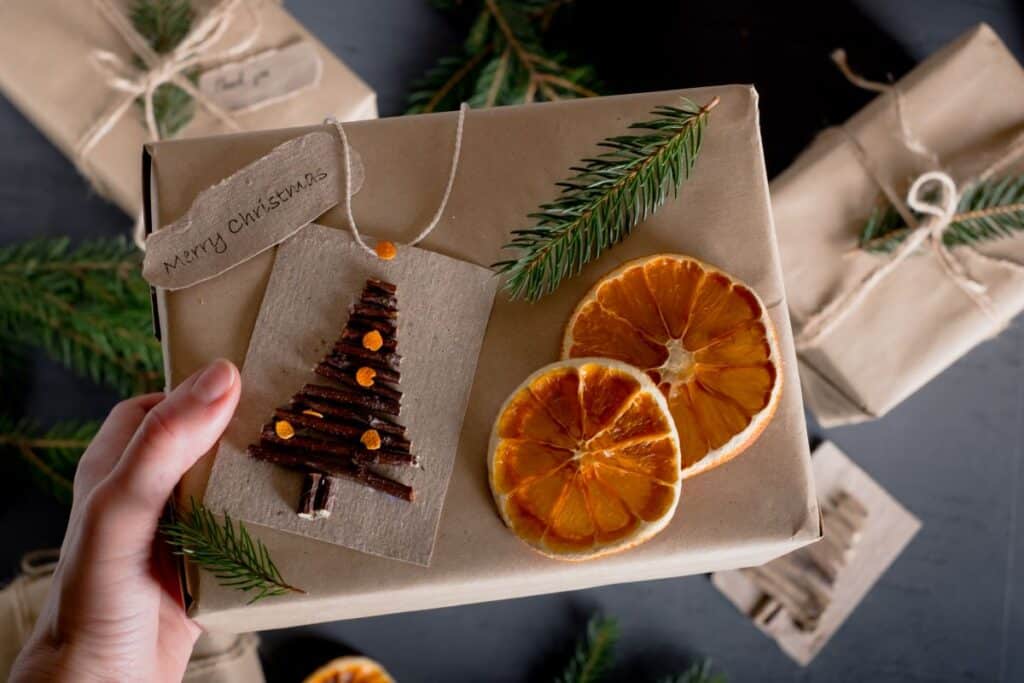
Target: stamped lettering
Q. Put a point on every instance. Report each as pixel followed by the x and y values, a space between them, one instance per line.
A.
pixel 263 79
pixel 249 212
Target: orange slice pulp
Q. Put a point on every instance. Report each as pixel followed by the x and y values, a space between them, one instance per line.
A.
pixel 350 670
pixel 701 335
pixel 584 459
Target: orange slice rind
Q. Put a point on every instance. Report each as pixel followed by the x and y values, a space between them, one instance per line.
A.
pixel 584 459
pixel 701 335
pixel 350 670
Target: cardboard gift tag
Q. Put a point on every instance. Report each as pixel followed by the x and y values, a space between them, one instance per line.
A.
pixel 444 305
pixel 263 79
pixel 250 211
pixel 872 545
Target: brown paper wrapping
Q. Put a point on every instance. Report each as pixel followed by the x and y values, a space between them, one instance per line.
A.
pixel 46 71
pixel 964 104
pixel 216 657
pixel 746 512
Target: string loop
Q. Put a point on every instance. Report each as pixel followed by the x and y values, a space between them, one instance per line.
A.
pixel 438 214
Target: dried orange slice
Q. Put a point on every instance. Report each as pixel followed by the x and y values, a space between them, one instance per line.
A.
pixel 703 337
pixel 584 459
pixel 350 670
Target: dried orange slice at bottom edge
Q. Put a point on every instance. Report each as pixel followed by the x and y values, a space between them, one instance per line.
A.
pixel 350 670
pixel 584 459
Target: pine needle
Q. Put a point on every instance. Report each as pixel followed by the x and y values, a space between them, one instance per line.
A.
pixel 164 24
pixel 51 455
pixel 86 307
pixel 227 551
pixel 698 673
pixel 593 656
pixel 609 195
pixel 989 210
pixel 503 60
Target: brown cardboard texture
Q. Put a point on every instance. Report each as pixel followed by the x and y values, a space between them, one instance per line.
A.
pixel 443 304
pixel 888 529
pixel 746 512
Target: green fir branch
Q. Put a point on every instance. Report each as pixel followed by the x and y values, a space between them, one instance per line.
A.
pixel 609 195
pixel 592 659
pixel 164 24
pixel 503 60
pixel 447 84
pixel 227 551
pixel 698 673
pixel 50 454
pixel 86 307
pixel 989 210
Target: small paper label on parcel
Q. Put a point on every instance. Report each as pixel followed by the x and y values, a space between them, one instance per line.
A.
pixel 263 79
pixel 249 212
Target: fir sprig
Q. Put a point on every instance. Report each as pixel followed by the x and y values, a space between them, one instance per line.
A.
pixel 164 24
pixel 988 210
pixel 593 657
pixel 87 307
pixel 609 195
pixel 698 673
pixel 226 550
pixel 51 454
pixel 503 60
pixel 594 652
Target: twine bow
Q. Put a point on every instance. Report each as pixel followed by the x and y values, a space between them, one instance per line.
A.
pixel 159 69
pixel 939 214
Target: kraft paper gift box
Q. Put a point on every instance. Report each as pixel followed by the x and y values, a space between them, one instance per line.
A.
pixel 965 106
pixel 48 69
pixel 752 509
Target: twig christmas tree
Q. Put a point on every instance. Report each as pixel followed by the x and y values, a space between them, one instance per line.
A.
pixel 341 430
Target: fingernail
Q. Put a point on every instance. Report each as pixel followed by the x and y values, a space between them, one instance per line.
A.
pixel 215 381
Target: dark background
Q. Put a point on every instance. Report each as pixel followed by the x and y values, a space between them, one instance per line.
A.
pixel 950 609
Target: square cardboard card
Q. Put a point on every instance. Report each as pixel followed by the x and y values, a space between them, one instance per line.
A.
pixel 444 305
pixel 888 528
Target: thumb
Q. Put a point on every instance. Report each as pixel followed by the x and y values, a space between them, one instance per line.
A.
pixel 173 436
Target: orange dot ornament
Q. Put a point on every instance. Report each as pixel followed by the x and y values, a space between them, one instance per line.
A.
pixel 373 341
pixel 364 376
pixel 385 250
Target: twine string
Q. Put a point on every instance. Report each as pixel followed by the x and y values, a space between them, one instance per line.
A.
pixel 438 214
pixel 123 77
pixel 939 215
pixel 160 69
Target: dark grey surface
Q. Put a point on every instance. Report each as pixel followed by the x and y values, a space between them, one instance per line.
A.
pixel 952 607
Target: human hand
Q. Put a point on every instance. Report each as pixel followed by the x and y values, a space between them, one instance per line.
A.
pixel 114 612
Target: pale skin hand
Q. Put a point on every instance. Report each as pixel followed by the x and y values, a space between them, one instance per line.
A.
pixel 113 613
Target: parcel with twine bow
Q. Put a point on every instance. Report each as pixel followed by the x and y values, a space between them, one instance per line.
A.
pixel 160 69
pixel 95 86
pixel 872 328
